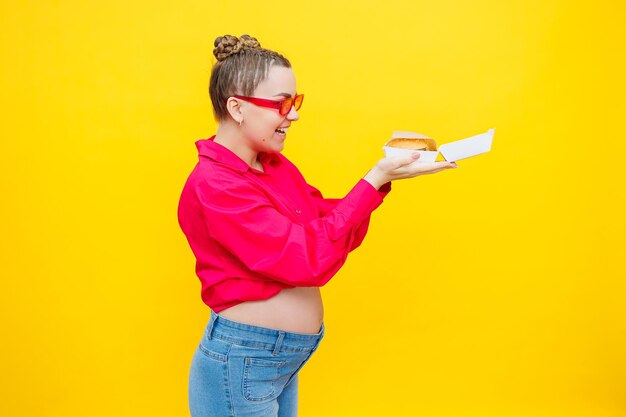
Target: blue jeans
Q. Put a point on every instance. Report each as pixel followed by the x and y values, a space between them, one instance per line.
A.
pixel 240 370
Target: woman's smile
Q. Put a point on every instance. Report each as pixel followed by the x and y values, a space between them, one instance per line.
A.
pixel 281 132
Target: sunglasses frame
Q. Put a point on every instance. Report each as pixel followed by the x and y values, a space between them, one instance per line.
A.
pixel 283 106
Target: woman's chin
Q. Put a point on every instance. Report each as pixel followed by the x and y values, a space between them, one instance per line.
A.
pixel 279 147
pixel 278 144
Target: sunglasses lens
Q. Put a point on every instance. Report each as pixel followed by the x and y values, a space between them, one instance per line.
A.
pixel 297 101
pixel 285 106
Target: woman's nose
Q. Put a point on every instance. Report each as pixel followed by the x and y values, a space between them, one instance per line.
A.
pixel 293 114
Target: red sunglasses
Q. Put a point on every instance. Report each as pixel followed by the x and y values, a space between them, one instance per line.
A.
pixel 283 106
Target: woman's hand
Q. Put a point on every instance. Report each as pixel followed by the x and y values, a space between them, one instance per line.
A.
pixel 397 168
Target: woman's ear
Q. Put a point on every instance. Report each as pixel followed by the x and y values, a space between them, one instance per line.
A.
pixel 234 109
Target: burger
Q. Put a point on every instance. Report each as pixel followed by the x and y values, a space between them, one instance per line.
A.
pixel 410 140
pixel 403 142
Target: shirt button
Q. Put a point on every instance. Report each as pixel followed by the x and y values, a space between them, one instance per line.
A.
pixel 298 211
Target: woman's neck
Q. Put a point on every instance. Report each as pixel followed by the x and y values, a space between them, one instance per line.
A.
pixel 228 136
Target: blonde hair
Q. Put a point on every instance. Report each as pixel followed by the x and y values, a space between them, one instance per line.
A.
pixel 241 65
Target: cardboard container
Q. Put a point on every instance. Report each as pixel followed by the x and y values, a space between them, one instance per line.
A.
pixel 453 151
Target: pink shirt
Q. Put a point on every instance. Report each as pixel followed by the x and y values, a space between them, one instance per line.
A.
pixel 256 233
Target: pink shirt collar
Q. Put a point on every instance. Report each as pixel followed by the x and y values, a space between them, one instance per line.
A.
pixel 223 155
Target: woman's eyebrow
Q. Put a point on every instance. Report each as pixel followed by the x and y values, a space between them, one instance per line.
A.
pixel 286 95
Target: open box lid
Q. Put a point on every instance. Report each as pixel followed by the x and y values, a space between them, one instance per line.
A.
pixel 465 148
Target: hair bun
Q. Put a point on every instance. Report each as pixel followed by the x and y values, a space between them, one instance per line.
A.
pixel 228 45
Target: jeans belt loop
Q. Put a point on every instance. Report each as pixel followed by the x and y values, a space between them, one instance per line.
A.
pixel 279 342
pixel 209 330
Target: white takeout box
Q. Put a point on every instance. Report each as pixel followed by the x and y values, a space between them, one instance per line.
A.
pixel 453 151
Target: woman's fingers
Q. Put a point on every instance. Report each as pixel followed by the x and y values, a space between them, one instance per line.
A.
pixel 423 168
pixel 409 166
pixel 410 159
pixel 394 163
pixel 432 166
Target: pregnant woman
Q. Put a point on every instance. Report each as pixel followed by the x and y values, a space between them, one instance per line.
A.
pixel 264 239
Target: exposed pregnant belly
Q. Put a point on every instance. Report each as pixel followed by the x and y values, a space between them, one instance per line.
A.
pixel 297 310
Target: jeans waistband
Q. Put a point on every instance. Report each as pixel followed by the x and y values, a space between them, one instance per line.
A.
pixel 261 337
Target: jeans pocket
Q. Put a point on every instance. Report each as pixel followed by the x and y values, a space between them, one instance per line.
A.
pixel 263 379
pixel 215 349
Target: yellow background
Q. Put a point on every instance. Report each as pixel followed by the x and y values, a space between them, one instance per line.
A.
pixel 493 290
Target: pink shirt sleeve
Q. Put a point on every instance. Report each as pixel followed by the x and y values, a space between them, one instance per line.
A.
pixel 324 205
pixel 243 220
